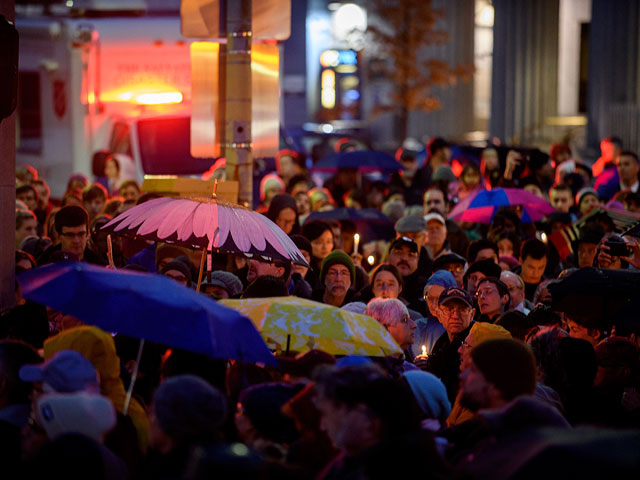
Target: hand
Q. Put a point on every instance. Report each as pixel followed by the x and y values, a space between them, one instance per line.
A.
pixel 604 260
pixel 513 160
pixel 634 246
pixel 357 259
pixel 421 361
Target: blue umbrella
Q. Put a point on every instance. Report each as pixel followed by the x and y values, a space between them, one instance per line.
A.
pixel 146 306
pixel 362 159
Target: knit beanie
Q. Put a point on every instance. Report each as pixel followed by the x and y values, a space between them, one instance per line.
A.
pixel 263 403
pixel 583 193
pixel 508 364
pixel 302 243
pixel 180 267
pixel 188 408
pixel 269 181
pixel 482 331
pixel 444 278
pixel 337 257
pixel 430 393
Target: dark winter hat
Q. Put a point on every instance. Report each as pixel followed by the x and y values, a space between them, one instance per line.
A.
pixel 302 243
pixel 508 364
pixel 179 266
pixel 337 257
pixel 188 408
pixel 263 403
pixel 486 266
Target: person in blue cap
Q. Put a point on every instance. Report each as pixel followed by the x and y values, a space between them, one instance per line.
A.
pixel 429 329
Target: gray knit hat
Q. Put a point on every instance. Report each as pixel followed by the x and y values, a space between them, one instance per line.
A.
pixel 226 280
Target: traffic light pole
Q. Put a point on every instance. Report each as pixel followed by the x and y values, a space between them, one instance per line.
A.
pixel 237 107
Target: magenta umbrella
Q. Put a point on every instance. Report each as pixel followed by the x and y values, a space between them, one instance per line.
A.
pixel 207 224
pixel 482 206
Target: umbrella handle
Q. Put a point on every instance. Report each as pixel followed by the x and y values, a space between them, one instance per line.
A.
pixel 204 255
pixel 110 252
pixel 133 378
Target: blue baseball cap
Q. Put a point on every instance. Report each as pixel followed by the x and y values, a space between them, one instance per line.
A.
pixel 65 372
pixel 455 293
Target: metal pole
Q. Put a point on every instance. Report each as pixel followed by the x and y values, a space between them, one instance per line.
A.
pixel 7 193
pixel 237 139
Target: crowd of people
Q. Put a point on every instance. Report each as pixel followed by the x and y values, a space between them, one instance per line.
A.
pixel 491 375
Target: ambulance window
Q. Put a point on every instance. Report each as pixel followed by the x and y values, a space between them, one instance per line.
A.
pixel 120 139
pixel 165 147
pixel 29 112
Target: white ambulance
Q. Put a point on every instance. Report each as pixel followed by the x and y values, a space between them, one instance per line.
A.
pixel 100 79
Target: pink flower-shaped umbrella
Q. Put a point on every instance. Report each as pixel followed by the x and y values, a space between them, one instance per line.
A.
pixel 483 205
pixel 210 224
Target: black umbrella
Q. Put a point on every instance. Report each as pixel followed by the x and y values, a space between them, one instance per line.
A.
pixel 599 298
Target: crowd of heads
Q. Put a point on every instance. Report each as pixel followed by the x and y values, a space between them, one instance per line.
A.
pixel 487 355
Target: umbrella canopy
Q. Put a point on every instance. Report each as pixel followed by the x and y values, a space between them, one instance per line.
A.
pixel 482 206
pixel 371 223
pixel 599 298
pixel 305 325
pixel 369 160
pixel 147 306
pixel 210 224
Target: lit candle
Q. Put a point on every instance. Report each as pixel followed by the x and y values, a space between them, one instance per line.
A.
pixel 424 349
pixel 371 259
pixel 356 242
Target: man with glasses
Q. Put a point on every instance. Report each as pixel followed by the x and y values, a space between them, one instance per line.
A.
pixel 514 283
pixel 456 315
pixel 453 263
pixel 72 226
pixel 493 299
pixel 430 329
pixel 337 274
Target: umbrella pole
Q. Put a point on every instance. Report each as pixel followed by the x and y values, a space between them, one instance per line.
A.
pixel 288 344
pixel 204 255
pixel 133 378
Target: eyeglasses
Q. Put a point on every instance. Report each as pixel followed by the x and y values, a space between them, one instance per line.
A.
pixel 461 309
pixel 336 273
pixel 485 293
pixel 430 299
pixel 456 269
pixel 465 345
pixel 71 235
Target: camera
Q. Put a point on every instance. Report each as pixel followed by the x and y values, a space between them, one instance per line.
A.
pixel 618 248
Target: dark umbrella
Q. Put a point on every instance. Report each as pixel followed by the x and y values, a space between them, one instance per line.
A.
pixel 372 224
pixel 146 306
pixel 599 298
pixel 369 160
